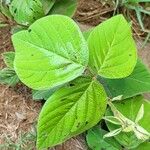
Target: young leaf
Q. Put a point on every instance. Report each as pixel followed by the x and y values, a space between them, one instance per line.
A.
pixel 96 141
pixel 112 48
pixel 8 76
pixel 26 11
pixel 113 133
pixel 9 59
pixel 70 111
pixel 130 108
pixel 64 7
pixel 47 5
pixel 56 56
pixel 137 83
pixel 140 114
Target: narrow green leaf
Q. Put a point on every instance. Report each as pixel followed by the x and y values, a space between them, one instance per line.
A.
pixel 113 133
pixel 140 114
pixel 9 59
pixel 130 108
pixel 26 11
pixel 64 7
pixel 96 141
pixel 70 111
pixel 52 58
pixel 137 83
pixel 112 48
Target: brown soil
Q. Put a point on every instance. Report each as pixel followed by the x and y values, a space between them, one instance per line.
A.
pixel 18 112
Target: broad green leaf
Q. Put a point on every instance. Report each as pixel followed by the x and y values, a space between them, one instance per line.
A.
pixel 9 59
pixel 137 83
pixel 64 7
pixel 130 108
pixel 8 76
pixel 70 111
pixel 96 141
pixel 47 5
pixel 112 48
pixel 26 11
pixel 56 56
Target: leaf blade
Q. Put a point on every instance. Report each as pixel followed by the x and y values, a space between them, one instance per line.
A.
pixel 138 81
pixel 112 48
pixel 59 56
pixel 77 104
pixel 26 11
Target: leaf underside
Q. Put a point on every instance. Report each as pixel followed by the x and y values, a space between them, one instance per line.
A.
pixel 52 52
pixel 70 111
pixel 112 48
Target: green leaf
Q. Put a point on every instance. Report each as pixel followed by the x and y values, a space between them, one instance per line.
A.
pixel 96 141
pixel 52 58
pixel 8 76
pixel 47 5
pixel 64 7
pixel 137 83
pixel 112 48
pixel 143 146
pixel 43 94
pixel 26 11
pixel 4 8
pixel 9 59
pixel 70 111
pixel 130 108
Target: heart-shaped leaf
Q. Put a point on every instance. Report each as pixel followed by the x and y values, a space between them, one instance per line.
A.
pixel 112 48
pixel 52 52
pixel 26 11
pixel 130 108
pixel 137 83
pixel 70 111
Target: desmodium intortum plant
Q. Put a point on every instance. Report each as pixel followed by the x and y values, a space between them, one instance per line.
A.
pixel 53 52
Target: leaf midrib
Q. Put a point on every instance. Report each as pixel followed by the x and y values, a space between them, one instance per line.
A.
pixel 111 45
pixel 71 107
pixel 48 51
